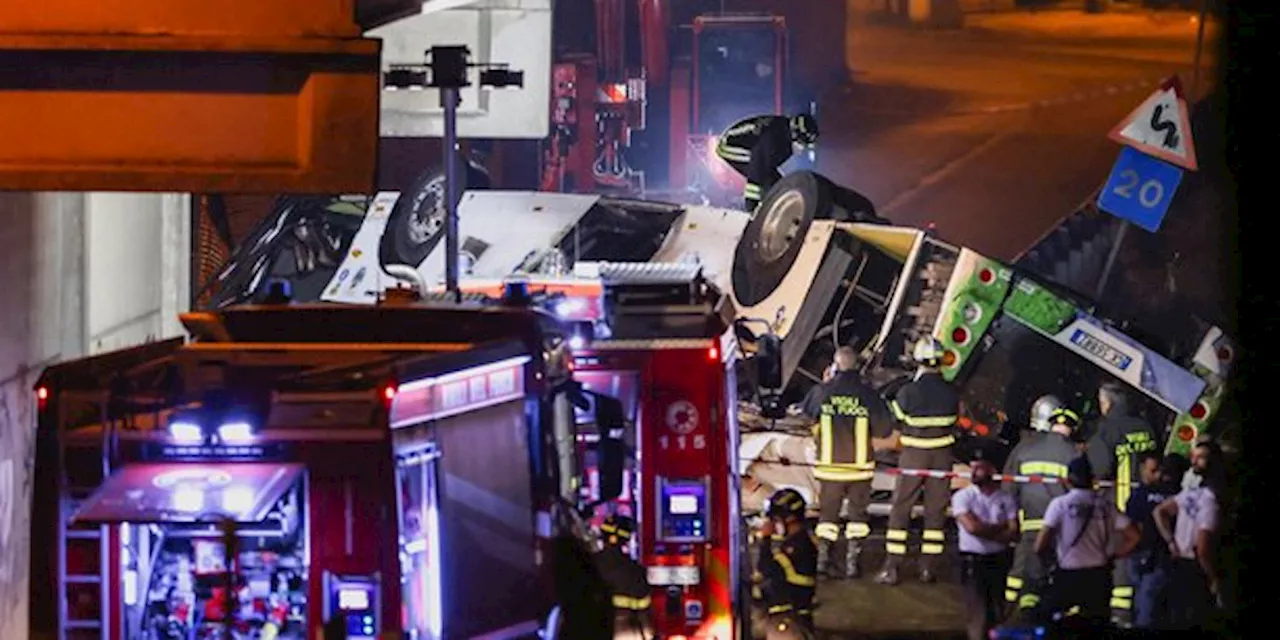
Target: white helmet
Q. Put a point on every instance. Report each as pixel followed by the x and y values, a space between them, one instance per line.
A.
pixel 928 351
pixel 1042 409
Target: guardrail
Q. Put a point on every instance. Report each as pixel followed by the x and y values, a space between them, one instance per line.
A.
pixel 1073 252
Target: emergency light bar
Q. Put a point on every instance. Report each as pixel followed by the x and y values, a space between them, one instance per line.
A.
pixel 189 428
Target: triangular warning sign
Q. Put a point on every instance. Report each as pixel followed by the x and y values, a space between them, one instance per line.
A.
pixel 1161 127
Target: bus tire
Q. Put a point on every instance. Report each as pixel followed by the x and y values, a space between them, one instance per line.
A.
pixel 416 223
pixel 772 239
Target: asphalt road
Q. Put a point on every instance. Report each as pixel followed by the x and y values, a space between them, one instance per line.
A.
pixel 993 135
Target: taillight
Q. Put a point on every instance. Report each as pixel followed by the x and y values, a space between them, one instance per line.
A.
pixel 387 393
pixel 42 397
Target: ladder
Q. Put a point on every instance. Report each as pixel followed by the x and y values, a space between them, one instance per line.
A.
pixel 83 557
pixel 82 566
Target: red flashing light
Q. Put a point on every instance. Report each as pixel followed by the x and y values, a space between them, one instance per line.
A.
pixel 1186 433
pixel 960 335
pixel 713 354
pixel 986 276
pixel 1199 411
pixel 983 430
pixel 387 392
pixel 42 393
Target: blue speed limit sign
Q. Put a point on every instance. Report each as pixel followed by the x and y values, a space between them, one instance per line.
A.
pixel 1140 189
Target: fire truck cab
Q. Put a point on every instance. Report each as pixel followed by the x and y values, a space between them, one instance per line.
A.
pixel 299 467
pixel 652 337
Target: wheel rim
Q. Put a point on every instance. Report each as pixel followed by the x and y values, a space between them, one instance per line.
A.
pixel 427 221
pixel 781 226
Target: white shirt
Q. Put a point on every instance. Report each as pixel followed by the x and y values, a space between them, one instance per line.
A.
pixel 998 507
pixel 1066 515
pixel 1197 511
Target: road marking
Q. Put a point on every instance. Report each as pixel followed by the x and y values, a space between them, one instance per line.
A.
pixel 945 170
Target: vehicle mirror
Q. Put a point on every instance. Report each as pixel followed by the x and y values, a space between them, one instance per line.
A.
pixel 612 452
pixel 768 359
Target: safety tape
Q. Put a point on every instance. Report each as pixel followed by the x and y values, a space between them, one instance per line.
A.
pixel 934 473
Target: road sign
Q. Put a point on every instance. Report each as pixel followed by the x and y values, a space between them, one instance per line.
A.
pixel 1140 189
pixel 1161 127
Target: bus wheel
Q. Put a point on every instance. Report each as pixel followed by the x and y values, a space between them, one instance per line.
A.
pixel 416 223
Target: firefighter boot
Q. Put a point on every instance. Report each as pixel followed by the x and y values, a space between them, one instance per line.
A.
pixel 928 569
pixel 889 572
pixel 851 555
pixel 824 556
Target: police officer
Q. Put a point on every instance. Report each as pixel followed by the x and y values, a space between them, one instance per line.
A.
pixel 626 579
pixel 927 407
pixel 1044 459
pixel 850 414
pixel 1113 453
pixel 787 570
pixel 755 147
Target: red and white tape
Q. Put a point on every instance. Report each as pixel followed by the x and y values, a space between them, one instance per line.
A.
pixel 933 473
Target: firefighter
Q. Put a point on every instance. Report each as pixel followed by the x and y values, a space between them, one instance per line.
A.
pixel 787 570
pixel 927 407
pixel 625 577
pixel 1045 459
pixel 1113 453
pixel 757 146
pixel 850 414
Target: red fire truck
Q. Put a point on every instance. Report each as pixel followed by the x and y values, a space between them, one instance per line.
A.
pixel 295 466
pixel 659 346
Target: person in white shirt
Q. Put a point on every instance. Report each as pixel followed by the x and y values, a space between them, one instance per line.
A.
pixel 988 524
pixel 1079 529
pixel 1194 511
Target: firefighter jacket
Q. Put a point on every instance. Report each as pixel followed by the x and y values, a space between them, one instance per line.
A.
pixel 1113 452
pixel 850 413
pixel 1045 458
pixel 626 579
pixel 756 147
pixel 927 407
pixel 788 573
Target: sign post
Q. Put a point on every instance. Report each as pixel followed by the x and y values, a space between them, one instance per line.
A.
pixel 1158 148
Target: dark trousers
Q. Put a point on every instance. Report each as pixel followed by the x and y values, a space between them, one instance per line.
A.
pixel 983 579
pixel 1151 598
pixel 1026 578
pixel 631 625
pixel 908 490
pixel 1189 598
pixel 1088 589
pixel 831 497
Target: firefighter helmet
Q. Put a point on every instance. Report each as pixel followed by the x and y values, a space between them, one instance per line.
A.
pixel 618 529
pixel 1066 418
pixel 804 129
pixel 928 351
pixel 1042 409
pixel 785 503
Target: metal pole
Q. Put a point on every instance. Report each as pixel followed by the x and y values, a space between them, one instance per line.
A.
pixel 449 101
pixel 1195 71
pixel 1111 260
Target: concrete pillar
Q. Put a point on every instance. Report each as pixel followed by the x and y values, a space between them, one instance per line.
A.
pixel 79 273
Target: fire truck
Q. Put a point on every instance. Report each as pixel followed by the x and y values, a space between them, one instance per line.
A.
pixel 299 467
pixel 659 350
pixel 703 71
